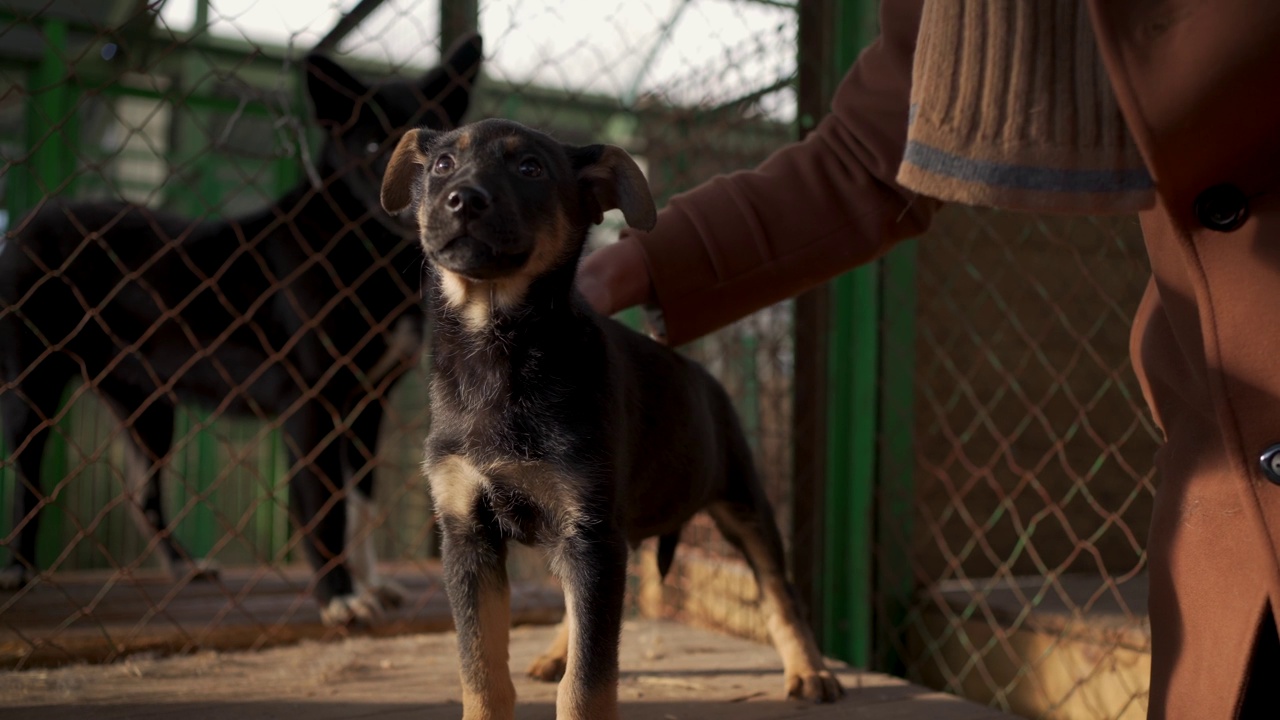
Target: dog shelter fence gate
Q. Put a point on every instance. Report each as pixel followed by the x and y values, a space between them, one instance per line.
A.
pixel 952 436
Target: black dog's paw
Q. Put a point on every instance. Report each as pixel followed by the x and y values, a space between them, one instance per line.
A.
pixel 547 668
pixel 389 593
pixel 362 609
pixel 14 577
pixel 820 686
pixel 203 570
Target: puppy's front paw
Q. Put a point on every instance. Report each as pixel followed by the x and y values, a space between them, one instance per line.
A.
pixel 358 609
pixel 820 686
pixel 547 668
pixel 14 577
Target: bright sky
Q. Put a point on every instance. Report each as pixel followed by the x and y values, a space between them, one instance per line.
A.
pixel 717 49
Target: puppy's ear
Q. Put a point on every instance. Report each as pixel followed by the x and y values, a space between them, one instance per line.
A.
pixel 404 171
pixel 613 180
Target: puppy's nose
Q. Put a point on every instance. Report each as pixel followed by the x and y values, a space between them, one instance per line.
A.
pixel 468 201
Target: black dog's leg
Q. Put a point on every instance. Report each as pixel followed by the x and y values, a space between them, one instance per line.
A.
pixel 746 520
pixel 149 438
pixel 593 569
pixel 316 501
pixel 359 457
pixel 28 411
pixel 475 574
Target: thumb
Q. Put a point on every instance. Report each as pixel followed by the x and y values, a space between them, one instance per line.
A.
pixel 615 277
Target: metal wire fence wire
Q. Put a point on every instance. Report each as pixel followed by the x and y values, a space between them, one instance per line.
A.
pixel 201 110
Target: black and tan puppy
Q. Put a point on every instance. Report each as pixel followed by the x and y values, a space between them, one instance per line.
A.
pixel 554 426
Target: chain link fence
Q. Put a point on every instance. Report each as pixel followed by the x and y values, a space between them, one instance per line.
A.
pixel 206 345
pixel 266 297
pixel 1033 477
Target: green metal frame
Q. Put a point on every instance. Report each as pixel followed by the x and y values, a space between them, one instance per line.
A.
pixel 51 132
pixel 895 511
pixel 870 428
pixel 852 384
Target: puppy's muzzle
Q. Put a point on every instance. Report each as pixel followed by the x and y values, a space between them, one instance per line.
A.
pixel 469 237
pixel 478 259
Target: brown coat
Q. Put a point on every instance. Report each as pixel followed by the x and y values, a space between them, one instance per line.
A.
pixel 1199 84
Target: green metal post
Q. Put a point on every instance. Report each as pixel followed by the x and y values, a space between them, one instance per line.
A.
pixel 50 170
pixel 853 376
pixel 867 583
pixel 50 126
pixel 895 512
pixel 208 464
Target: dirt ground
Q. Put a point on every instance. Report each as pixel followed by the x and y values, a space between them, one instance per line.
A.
pixel 669 672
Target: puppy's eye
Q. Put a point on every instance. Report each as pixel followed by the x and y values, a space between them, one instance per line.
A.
pixel 443 165
pixel 530 168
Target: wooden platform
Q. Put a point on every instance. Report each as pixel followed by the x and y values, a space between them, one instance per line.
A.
pixel 97 617
pixel 669 672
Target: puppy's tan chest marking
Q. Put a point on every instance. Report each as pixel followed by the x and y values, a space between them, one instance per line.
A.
pixel 533 500
pixel 455 483
pixel 477 301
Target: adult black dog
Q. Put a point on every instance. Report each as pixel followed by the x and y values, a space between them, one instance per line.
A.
pixel 556 427
pixel 307 311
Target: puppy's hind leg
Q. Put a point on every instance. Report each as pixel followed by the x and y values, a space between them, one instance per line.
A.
pixel 746 520
pixel 549 666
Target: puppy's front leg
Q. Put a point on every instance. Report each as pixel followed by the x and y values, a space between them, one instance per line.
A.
pixel 475 574
pixel 593 569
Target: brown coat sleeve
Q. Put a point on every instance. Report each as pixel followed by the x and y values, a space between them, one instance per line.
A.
pixel 811 211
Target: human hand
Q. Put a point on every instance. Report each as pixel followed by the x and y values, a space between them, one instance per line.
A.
pixel 615 277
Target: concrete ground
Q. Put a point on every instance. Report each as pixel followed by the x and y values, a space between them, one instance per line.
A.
pixel 669 672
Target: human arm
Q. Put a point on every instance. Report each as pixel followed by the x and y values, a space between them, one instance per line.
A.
pixel 808 213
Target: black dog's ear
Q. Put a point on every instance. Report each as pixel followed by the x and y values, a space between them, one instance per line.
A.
pixel 447 88
pixel 403 172
pixel 615 181
pixel 334 91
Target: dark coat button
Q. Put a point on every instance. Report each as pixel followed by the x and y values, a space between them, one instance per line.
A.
pixel 1222 208
pixel 1270 461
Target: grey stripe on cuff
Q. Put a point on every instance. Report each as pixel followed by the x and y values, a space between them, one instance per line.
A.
pixel 1021 177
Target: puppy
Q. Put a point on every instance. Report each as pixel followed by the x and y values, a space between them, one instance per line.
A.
pixel 556 427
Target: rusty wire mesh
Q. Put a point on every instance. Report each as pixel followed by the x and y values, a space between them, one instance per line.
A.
pixel 1033 478
pixel 1031 484
pixel 202 113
